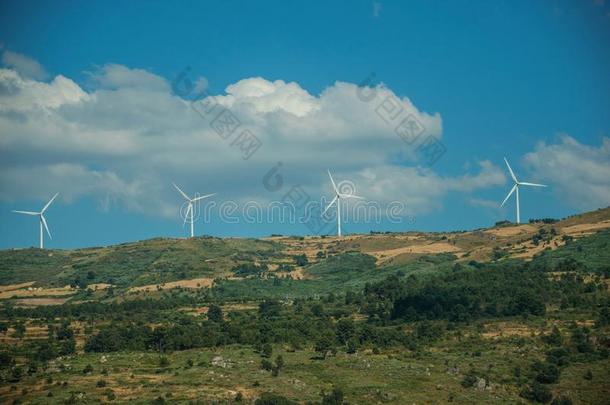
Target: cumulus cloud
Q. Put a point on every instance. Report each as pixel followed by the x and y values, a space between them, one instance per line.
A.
pixel 421 189
pixel 26 66
pixel 579 173
pixel 125 140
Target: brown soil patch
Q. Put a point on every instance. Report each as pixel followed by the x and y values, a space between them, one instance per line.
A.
pixel 34 302
pixel 512 230
pixel 98 286
pixel 203 282
pixel 431 248
pixel 37 292
pixel 11 287
pixel 585 228
pixel 503 329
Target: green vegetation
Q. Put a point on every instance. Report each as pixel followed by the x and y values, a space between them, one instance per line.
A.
pixel 334 326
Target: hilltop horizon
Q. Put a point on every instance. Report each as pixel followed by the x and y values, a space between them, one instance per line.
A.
pixel 502 222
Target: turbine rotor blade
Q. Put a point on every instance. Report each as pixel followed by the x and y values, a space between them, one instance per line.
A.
pixel 44 222
pixel 181 192
pixel 523 183
pixel 27 212
pixel 512 174
pixel 352 196
pixel 186 215
pixel 49 203
pixel 512 190
pixel 202 197
pixel 330 204
pixel 333 182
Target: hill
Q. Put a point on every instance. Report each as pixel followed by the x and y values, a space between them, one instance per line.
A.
pixel 152 265
pixel 511 313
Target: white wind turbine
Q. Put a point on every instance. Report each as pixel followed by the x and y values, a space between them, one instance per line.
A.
pixel 516 188
pixel 189 210
pixel 41 219
pixel 337 199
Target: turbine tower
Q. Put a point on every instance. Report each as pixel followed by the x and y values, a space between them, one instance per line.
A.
pixel 189 210
pixel 337 199
pixel 516 189
pixel 41 219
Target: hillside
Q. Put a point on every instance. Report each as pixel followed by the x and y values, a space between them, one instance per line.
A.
pixel 508 314
pixel 31 275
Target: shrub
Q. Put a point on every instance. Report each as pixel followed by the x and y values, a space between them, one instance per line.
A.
pixel 266 365
pixel 273 399
pixel 335 397
pixel 279 361
pixel 469 379
pixel 215 313
pixel 547 373
pixel 537 392
pixel 163 362
pixel 267 350
pixel 562 400
pixel 301 260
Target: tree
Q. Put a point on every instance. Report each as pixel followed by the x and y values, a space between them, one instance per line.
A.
pixel 547 373
pixel 538 392
pixel 215 313
pixel 68 346
pixel 266 365
pixel 554 338
pixel 562 400
pixel 273 399
pixel 301 260
pixel 45 352
pixel 345 330
pixel 279 362
pixel 19 330
pixel 267 350
pixel 163 362
pixel 352 346
pixel 324 344
pixel 335 397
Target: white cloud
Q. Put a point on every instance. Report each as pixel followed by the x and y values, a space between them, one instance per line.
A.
pixel 26 66
pixel 114 77
pixel 579 173
pixel 129 137
pixel 423 190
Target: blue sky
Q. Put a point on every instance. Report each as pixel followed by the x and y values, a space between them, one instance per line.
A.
pixel 526 80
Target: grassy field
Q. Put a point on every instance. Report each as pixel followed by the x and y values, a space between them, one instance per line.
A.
pixel 391 376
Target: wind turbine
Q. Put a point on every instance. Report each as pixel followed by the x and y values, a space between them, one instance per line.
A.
pixel 337 199
pixel 41 219
pixel 190 206
pixel 516 189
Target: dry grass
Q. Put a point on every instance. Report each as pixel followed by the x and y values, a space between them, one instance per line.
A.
pixel 11 287
pixel 34 302
pixel 587 228
pixel 512 230
pixel 98 286
pixel 203 282
pixel 37 292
